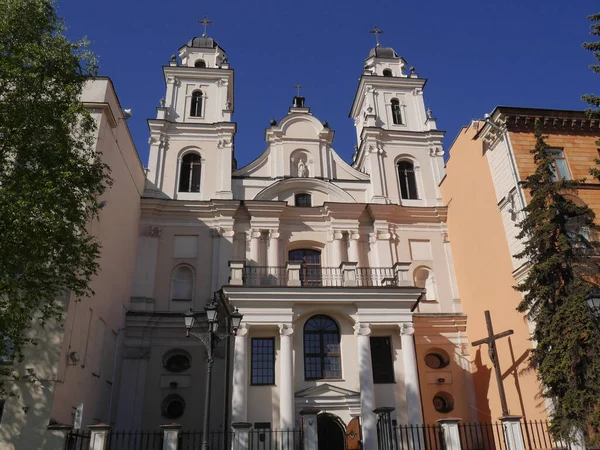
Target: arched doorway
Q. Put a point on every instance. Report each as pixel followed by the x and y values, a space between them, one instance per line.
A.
pixel 331 432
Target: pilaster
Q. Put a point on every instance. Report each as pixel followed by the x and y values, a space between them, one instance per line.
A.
pixel 367 391
pixel 286 383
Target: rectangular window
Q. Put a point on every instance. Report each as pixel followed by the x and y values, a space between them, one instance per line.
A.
pixel 381 359
pixel 303 200
pixel 263 361
pixel 560 169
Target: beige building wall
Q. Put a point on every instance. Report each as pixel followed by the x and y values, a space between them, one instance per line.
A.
pixel 484 269
pixel 92 326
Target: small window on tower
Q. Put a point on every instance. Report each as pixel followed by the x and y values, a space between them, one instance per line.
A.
pixel 190 171
pixel 201 64
pixel 396 113
pixel 408 182
pixel 196 105
pixel 387 73
pixel 304 200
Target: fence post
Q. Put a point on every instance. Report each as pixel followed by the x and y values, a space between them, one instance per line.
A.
pixel 171 436
pixel 236 273
pixel 99 436
pixel 450 433
pixel 309 428
pixel 513 434
pixel 293 273
pixel 241 436
pixel 348 273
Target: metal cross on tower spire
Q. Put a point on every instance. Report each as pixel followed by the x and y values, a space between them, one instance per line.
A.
pixel 376 31
pixel 205 22
pixel 298 87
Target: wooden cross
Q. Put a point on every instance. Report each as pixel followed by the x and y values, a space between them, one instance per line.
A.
pixel 298 87
pixel 205 22
pixel 376 31
pixel 491 342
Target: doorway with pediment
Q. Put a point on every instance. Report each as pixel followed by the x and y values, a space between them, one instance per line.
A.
pixel 331 432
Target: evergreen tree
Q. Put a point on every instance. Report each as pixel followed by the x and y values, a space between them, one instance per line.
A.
pixel 566 332
pixel 50 175
pixel 592 99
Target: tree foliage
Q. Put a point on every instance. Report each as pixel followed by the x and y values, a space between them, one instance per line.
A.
pixel 50 174
pixel 556 232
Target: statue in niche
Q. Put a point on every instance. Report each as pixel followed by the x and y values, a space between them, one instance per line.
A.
pixel 302 169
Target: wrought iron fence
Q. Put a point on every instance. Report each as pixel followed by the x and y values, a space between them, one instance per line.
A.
pixel 481 436
pixel 264 276
pixel 266 439
pixel 413 437
pixel 537 436
pixel 135 440
pixel 217 440
pixel 78 440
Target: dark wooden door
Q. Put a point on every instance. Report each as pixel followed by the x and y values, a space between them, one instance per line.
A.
pixel 353 435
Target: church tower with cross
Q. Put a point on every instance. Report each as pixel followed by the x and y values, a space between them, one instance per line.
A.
pixel 191 139
pixel 396 135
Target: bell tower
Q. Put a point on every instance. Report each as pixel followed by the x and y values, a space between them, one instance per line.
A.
pixel 191 139
pixel 394 130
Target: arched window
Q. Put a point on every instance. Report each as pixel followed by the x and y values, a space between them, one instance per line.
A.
pixel 387 73
pixel 182 284
pixel 189 173
pixel 172 406
pixel 176 361
pixel 408 182
pixel 424 278
pixel 321 348
pixel 396 113
pixel 201 64
pixel 310 273
pixel 196 106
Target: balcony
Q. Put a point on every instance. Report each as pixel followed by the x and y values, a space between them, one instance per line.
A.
pixel 297 274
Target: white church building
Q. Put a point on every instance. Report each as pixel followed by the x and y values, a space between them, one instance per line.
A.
pixel 342 270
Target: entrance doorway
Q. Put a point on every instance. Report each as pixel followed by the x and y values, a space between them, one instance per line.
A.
pixel 331 432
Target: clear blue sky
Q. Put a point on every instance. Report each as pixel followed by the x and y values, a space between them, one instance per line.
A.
pixel 476 55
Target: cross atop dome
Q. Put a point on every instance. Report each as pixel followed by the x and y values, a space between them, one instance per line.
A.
pixel 205 22
pixel 376 31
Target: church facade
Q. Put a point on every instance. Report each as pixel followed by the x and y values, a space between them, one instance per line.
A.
pixel 342 270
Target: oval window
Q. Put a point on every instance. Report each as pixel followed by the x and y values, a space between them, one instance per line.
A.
pixel 437 359
pixel 173 406
pixel 443 402
pixel 177 363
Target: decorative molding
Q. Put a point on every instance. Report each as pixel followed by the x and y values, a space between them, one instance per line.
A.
pixel 362 329
pixel 406 329
pixel 286 329
pixel 151 231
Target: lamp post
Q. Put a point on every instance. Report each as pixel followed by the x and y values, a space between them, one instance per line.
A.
pixel 593 301
pixel 210 339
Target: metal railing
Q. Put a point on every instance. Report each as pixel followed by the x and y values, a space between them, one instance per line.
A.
pixel 413 437
pixel 78 440
pixel 537 436
pixel 481 436
pixel 217 440
pixel 311 276
pixel 267 439
pixel 135 440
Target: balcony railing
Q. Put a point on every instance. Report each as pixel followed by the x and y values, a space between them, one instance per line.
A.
pixel 297 274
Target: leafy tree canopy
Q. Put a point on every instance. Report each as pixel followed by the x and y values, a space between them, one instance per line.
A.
pixel 50 173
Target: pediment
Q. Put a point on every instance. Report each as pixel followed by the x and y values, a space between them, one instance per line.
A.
pixel 326 390
pixel 276 190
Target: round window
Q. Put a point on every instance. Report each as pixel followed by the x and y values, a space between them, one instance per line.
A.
pixel 173 406
pixel 443 402
pixel 437 359
pixel 177 363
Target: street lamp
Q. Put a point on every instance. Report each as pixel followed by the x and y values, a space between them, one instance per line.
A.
pixel 210 339
pixel 593 300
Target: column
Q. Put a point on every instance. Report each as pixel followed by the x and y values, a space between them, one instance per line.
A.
pixel 273 252
pixel 239 395
pixel 335 254
pixel 367 392
pixel 225 255
pixel 171 436
pixel 252 237
pixel 287 410
pixel 353 237
pixel 411 375
pixel 309 428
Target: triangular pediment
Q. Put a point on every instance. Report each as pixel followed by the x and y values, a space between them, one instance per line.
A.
pixel 326 390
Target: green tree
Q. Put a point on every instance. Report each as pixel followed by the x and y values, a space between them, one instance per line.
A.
pixel 556 232
pixel 50 174
pixel 593 100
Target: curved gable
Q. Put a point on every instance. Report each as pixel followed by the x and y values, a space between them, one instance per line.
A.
pixel 285 189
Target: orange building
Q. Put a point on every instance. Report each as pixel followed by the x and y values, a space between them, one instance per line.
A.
pixel 485 202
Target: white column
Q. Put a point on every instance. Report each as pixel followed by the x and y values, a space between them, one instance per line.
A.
pixel 253 238
pixel 335 258
pixel 353 237
pixel 367 392
pixel 411 375
pixel 273 253
pixel 239 395
pixel 287 410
